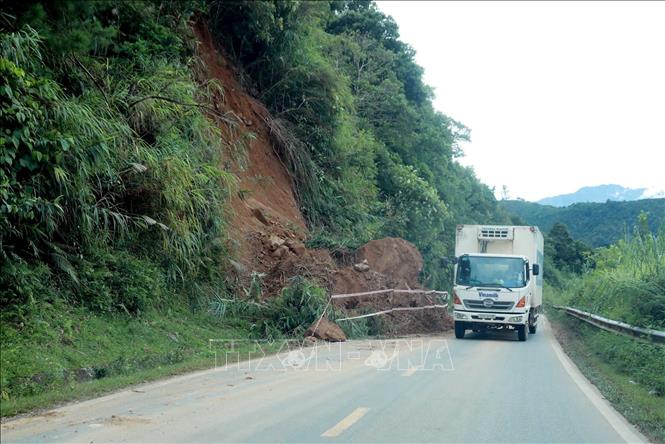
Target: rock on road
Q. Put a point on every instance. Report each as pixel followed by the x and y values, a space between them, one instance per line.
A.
pixel 487 388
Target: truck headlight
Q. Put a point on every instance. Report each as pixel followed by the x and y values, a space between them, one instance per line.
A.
pixel 460 315
pixel 515 319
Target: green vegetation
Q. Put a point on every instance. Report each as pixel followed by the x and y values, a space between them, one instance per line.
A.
pixel 298 305
pixel 565 256
pixel 100 175
pixel 595 224
pixel 627 283
pixel 65 352
pixel 112 211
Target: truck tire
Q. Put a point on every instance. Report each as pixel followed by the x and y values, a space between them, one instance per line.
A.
pixel 532 323
pixel 459 330
pixel 521 333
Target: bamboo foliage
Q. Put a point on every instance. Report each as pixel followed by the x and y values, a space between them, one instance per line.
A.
pixel 628 283
pixel 112 144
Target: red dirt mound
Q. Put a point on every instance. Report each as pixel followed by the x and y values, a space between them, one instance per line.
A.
pixel 315 265
pixel 430 320
pixel 395 257
pixel 389 263
pixel 347 280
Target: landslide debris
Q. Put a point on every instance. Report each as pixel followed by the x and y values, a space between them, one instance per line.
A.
pixel 268 230
pixel 395 257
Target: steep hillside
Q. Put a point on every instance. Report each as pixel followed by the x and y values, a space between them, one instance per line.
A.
pixel 596 224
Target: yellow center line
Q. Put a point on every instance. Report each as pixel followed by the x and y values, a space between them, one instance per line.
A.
pixel 345 423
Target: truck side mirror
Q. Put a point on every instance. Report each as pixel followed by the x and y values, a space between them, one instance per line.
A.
pixel 445 261
pixel 536 269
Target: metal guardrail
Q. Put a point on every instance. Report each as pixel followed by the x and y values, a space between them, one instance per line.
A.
pixel 615 326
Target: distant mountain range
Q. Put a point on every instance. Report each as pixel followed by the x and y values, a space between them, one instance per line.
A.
pixel 596 224
pixel 602 193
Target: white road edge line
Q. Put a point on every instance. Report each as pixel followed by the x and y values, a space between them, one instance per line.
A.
pixel 616 420
pixel 345 423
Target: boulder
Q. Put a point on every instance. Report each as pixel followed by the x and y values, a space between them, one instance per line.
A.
pixel 275 242
pixel 296 246
pixel 326 330
pixel 258 214
pixel 361 267
pixel 281 251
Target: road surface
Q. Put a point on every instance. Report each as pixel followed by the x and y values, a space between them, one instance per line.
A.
pixel 487 388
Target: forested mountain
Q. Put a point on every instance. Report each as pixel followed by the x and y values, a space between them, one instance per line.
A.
pixel 595 224
pixel 602 193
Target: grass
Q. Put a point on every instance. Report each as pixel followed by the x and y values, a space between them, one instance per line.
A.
pixel 603 358
pixel 98 387
pixel 40 363
pixel 627 283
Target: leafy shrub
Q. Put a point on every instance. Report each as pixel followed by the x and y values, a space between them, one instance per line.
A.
pixel 299 305
pixel 24 286
pixel 120 281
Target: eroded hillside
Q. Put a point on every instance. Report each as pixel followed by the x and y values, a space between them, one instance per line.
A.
pixel 267 227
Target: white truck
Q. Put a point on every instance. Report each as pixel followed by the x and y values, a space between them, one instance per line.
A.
pixel 498 279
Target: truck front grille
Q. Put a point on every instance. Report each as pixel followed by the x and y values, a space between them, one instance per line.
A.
pixel 476 304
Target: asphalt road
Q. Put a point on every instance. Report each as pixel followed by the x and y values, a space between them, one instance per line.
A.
pixel 488 388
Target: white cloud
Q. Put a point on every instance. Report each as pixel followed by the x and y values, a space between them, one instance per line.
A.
pixel 652 193
pixel 558 95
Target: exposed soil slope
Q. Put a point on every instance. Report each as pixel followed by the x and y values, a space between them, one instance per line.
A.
pixel 267 227
pixel 266 202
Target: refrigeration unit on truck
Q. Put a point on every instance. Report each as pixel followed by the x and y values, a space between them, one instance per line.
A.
pixel 498 279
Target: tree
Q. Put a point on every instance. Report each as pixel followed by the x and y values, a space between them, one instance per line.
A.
pixel 566 253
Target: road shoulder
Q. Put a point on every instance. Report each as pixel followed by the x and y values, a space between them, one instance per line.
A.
pixel 614 394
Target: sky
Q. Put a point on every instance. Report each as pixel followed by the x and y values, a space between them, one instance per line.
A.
pixel 558 95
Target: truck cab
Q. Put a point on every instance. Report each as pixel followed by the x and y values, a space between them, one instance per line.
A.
pixel 498 283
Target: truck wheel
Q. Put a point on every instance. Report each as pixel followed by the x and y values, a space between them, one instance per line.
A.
pixel 459 330
pixel 532 328
pixel 521 333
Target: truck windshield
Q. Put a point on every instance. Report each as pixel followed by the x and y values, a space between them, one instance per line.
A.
pixel 489 271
